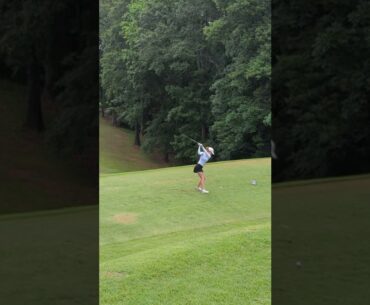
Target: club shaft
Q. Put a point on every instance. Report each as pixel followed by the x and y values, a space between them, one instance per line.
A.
pixel 191 139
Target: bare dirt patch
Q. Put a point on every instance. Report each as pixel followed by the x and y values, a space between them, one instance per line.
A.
pixel 127 219
pixel 111 274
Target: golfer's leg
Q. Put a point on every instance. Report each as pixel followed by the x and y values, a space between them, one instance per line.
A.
pixel 200 174
pixel 201 184
pixel 204 181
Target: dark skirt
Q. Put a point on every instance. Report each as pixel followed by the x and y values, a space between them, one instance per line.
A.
pixel 198 168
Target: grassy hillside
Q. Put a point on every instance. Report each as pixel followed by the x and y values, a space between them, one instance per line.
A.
pixel 314 223
pixel 49 257
pixel 164 243
pixel 118 154
pixel 28 169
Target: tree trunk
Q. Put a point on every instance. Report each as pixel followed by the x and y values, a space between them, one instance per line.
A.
pixel 166 157
pixel 142 126
pixel 48 94
pixel 142 119
pixel 114 119
pixel 137 134
pixel 34 118
pixel 50 64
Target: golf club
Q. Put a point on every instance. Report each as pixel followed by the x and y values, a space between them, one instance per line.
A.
pixel 192 139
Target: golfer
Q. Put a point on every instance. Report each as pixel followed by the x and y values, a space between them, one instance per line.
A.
pixel 205 154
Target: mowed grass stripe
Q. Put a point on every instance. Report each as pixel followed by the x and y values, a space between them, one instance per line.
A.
pixel 178 240
pixel 232 270
pixel 162 242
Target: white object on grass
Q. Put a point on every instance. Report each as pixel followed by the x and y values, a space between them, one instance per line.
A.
pixel 204 191
pixel 254 182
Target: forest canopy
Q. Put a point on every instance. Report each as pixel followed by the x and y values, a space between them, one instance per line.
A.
pixel 320 88
pixel 199 68
pixel 51 49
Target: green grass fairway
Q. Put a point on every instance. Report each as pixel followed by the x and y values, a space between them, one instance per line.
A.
pixel 164 243
pixel 36 269
pixel 324 225
pixel 117 152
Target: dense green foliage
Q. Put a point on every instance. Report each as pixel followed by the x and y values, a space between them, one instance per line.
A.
pixel 163 242
pixel 200 68
pixel 52 49
pixel 321 109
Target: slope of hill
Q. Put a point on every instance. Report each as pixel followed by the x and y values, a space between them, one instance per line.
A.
pixel 118 154
pixel 163 242
pixel 33 178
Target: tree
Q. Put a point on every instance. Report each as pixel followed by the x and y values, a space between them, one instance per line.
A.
pixel 170 68
pixel 28 43
pixel 321 112
pixel 241 100
pixel 54 46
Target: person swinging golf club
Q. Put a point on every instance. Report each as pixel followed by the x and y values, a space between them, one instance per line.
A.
pixel 205 154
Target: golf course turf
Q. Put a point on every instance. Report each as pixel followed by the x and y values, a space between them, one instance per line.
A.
pixel 320 241
pixel 49 257
pixel 162 242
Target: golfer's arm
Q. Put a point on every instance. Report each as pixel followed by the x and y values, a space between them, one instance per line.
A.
pixel 199 151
